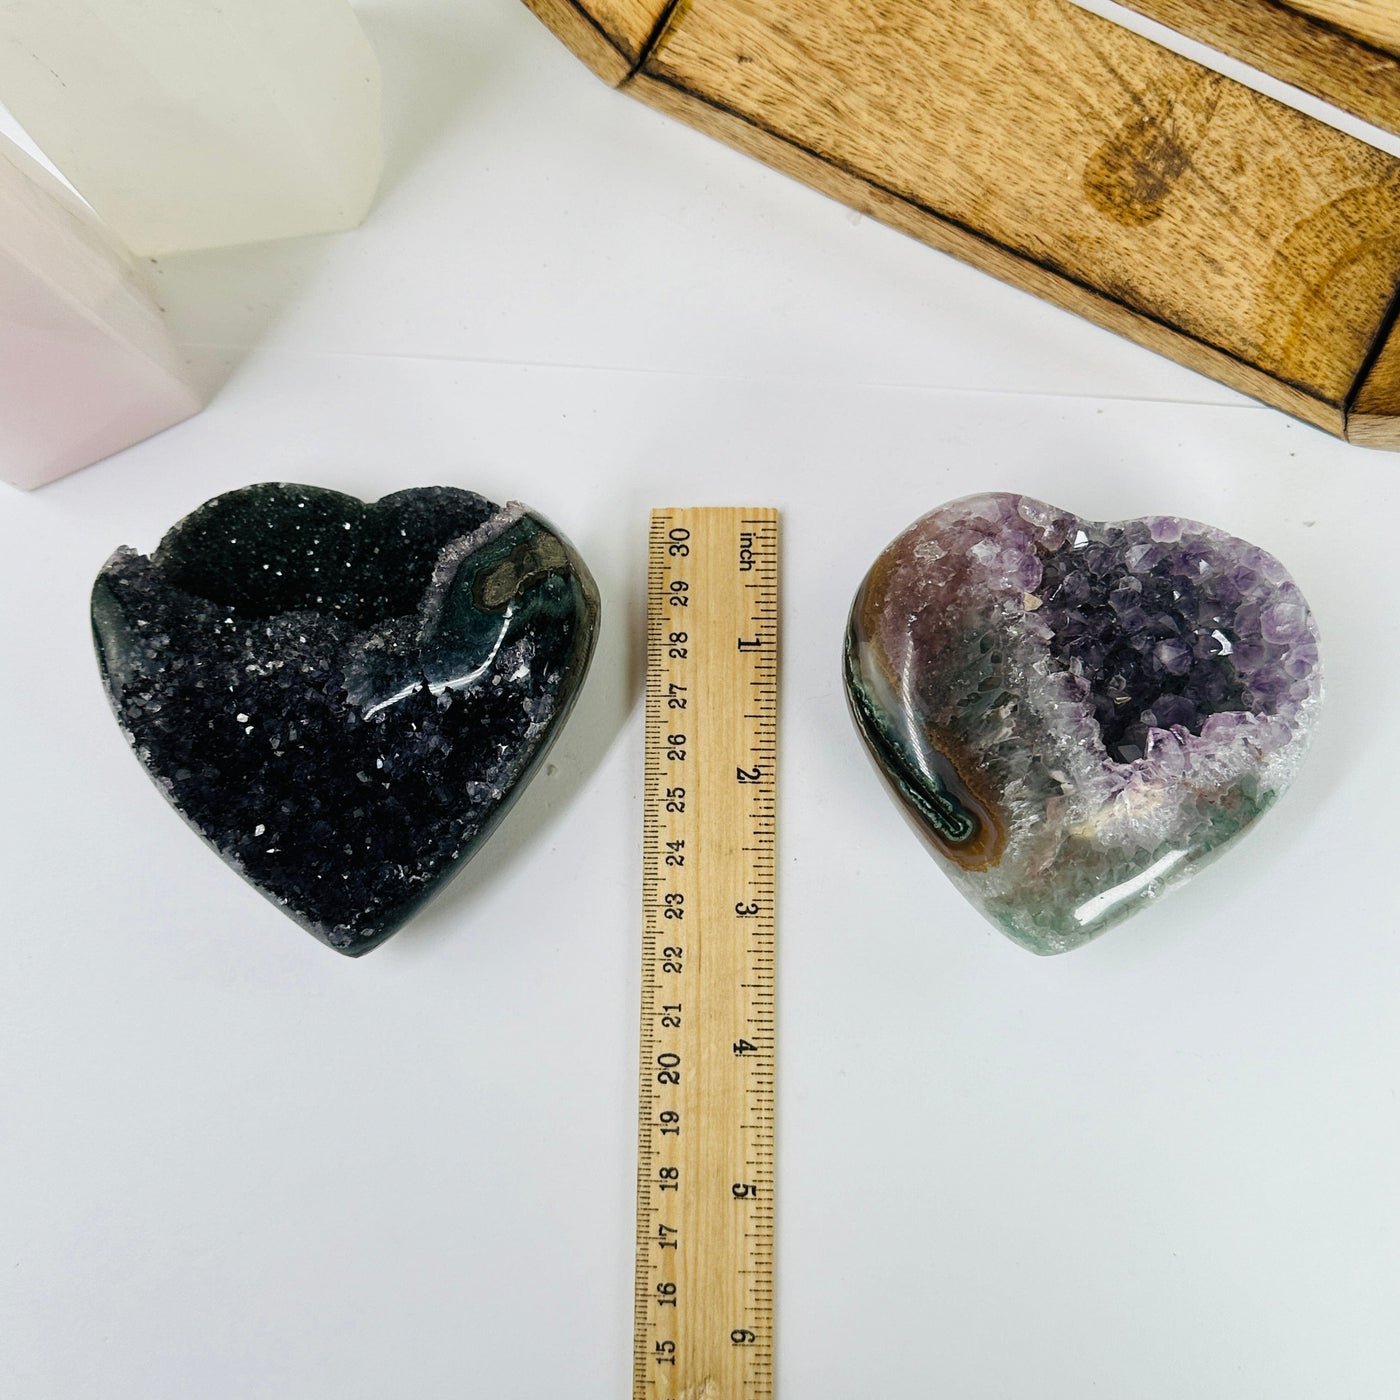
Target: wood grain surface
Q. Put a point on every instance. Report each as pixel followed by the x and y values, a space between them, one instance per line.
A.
pixel 1068 156
pixel 1375 409
pixel 1356 68
pixel 1377 21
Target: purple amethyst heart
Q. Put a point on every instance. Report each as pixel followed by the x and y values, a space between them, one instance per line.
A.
pixel 1078 715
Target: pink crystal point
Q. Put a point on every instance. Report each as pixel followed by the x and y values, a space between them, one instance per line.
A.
pixel 87 364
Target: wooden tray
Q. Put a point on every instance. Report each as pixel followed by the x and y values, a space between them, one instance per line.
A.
pixel 1069 156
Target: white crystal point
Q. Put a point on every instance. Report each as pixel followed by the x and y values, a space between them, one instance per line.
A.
pixel 200 123
pixel 87 364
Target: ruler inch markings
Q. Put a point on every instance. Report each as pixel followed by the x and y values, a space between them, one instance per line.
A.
pixel 704 1241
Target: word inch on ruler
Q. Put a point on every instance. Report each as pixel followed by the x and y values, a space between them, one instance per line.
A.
pixel 704 1280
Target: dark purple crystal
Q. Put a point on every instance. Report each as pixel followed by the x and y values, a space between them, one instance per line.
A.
pixel 344 699
pixel 1149 628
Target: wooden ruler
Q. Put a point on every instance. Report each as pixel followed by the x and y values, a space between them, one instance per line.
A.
pixel 704 1281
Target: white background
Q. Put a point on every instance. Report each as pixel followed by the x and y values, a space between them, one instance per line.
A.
pixel 234 1166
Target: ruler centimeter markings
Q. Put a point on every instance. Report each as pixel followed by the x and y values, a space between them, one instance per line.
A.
pixel 704 1267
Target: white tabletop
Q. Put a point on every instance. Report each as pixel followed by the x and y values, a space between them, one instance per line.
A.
pixel 235 1166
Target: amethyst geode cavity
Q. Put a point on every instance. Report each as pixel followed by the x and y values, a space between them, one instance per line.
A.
pixel 1078 715
pixel 344 699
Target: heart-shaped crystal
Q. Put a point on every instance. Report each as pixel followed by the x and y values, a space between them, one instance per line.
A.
pixel 1078 715
pixel 343 699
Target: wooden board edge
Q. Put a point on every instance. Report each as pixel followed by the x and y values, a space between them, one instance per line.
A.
pixel 1378 431
pixel 971 247
pixel 1373 417
pixel 1308 53
pixel 584 37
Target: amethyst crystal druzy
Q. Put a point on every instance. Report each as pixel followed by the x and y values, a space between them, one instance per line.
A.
pixel 1078 715
pixel 344 699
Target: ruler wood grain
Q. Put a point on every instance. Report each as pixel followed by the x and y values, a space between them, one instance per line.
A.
pixel 1067 155
pixel 704 1266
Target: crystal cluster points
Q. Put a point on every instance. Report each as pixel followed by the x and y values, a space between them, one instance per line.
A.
pixel 1076 714
pixel 343 699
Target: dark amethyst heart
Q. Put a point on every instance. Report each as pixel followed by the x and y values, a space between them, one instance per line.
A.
pixel 345 699
pixel 1078 715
